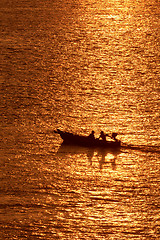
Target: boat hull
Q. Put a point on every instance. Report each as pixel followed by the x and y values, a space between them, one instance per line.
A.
pixel 86 141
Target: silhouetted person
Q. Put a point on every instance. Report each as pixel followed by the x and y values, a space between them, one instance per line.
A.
pixel 114 135
pixel 91 136
pixel 102 136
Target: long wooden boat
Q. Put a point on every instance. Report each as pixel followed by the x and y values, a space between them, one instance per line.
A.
pixel 86 141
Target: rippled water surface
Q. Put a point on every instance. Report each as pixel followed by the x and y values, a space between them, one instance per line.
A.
pixel 79 66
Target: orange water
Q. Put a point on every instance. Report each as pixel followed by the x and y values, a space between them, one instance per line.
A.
pixel 79 66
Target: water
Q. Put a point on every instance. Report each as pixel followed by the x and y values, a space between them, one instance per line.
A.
pixel 79 66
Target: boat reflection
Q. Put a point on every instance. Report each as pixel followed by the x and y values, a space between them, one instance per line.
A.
pixel 104 156
pixel 108 156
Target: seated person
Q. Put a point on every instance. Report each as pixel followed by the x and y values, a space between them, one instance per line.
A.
pixel 92 135
pixel 102 136
pixel 114 135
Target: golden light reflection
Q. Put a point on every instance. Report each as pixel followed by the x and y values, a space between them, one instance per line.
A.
pixel 81 66
pixel 108 199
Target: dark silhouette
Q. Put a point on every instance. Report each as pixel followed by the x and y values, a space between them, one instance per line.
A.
pixel 114 135
pixel 91 135
pixel 102 136
pixel 87 141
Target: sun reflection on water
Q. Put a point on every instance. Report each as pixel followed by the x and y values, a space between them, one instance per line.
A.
pixel 79 66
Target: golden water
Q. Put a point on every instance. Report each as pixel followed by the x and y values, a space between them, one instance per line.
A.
pixel 79 66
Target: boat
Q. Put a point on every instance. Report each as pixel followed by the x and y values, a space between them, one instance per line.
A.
pixel 87 141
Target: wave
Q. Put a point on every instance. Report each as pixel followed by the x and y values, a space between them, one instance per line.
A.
pixel 142 148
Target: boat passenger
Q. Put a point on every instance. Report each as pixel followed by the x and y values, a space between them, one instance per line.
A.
pixel 91 135
pixel 114 135
pixel 102 136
